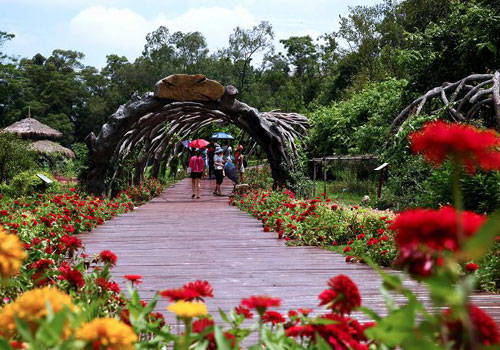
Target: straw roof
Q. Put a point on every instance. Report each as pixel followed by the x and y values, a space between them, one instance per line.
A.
pixel 30 128
pixel 48 147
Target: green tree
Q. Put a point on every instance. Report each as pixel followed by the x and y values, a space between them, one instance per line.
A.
pixel 244 44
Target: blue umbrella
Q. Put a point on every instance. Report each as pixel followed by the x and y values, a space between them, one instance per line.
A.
pixel 221 136
pixel 186 143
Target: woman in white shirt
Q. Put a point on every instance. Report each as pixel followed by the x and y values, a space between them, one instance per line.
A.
pixel 218 170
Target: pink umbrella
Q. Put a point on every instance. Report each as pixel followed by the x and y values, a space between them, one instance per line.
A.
pixel 200 143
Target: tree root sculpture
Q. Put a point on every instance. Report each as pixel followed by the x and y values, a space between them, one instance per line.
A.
pixel 464 99
pixel 155 126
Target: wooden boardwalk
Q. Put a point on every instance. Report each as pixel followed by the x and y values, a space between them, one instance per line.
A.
pixel 175 239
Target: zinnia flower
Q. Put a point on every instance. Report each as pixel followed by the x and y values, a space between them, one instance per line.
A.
pixel 12 254
pixel 241 310
pixel 273 317
pixel 436 229
pixel 484 328
pixel 343 295
pixel 190 291
pixel 73 276
pixel 188 309
pixel 31 307
pixel 108 257
pixel 260 302
pixel 439 140
pixel 109 333
pixel 135 279
pixel 471 267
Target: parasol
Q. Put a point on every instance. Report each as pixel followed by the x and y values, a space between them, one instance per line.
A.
pixel 200 143
pixel 221 136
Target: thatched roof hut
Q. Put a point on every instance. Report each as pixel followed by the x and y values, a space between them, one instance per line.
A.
pixel 30 128
pixel 49 147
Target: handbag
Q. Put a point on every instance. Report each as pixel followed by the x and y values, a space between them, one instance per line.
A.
pixel 188 170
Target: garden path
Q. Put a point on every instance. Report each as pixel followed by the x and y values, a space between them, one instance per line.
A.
pixel 174 239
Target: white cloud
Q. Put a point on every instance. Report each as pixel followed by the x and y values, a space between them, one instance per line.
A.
pixel 123 31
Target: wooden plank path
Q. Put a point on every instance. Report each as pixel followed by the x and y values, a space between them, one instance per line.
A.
pixel 175 239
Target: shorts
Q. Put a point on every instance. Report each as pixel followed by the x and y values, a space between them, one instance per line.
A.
pixel 196 175
pixel 218 176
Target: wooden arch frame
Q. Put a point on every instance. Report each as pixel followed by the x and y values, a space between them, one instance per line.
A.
pixel 181 105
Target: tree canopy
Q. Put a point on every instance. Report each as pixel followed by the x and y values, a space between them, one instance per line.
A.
pixel 422 42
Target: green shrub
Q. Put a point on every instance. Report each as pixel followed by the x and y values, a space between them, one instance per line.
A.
pixel 358 124
pixel 26 182
pixel 15 156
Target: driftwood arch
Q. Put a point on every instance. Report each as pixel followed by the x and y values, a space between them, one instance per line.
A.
pixel 180 105
pixel 466 99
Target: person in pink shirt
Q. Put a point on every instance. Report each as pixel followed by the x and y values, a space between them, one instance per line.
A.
pixel 197 164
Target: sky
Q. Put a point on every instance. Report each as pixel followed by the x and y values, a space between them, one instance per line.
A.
pixel 102 27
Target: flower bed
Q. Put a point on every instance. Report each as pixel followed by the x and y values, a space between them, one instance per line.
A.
pixel 357 232
pixel 47 225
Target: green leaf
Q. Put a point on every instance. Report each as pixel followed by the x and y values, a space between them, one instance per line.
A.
pixel 23 329
pixel 221 340
pixel 223 315
pixel 369 312
pixel 394 329
pixel 479 244
pixel 4 345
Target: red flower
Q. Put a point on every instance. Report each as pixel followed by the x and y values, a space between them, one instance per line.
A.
pixel 471 267
pixel 105 285
pixel 73 276
pixel 266 228
pixel 466 144
pixel 70 243
pixel 134 278
pixel 273 317
pixel 301 331
pixel 202 288
pixel 179 294
pixel 484 328
pixel 260 302
pixel 241 310
pixel 108 257
pixel 42 264
pixel 417 262
pixel 17 345
pixel 343 295
pixel 190 291
pixel 437 229
pixel 346 249
pixel 304 312
pixel 200 325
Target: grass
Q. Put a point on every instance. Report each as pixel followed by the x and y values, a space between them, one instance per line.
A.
pixel 340 191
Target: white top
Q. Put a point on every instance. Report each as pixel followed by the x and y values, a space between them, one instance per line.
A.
pixel 218 159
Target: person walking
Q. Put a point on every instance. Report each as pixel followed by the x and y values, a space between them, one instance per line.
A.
pixel 219 170
pixel 240 164
pixel 197 164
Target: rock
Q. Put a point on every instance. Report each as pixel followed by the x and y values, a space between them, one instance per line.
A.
pixel 185 87
pixel 241 188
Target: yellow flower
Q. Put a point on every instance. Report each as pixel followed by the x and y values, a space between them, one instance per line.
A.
pixel 12 254
pixel 188 309
pixel 31 307
pixel 109 332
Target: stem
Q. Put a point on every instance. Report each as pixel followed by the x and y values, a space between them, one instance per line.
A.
pixel 458 201
pixel 459 207
pixel 187 333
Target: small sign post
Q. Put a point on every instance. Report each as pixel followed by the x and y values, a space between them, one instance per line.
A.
pixel 45 181
pixel 381 168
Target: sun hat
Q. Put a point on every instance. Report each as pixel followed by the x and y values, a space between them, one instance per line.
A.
pixel 218 150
